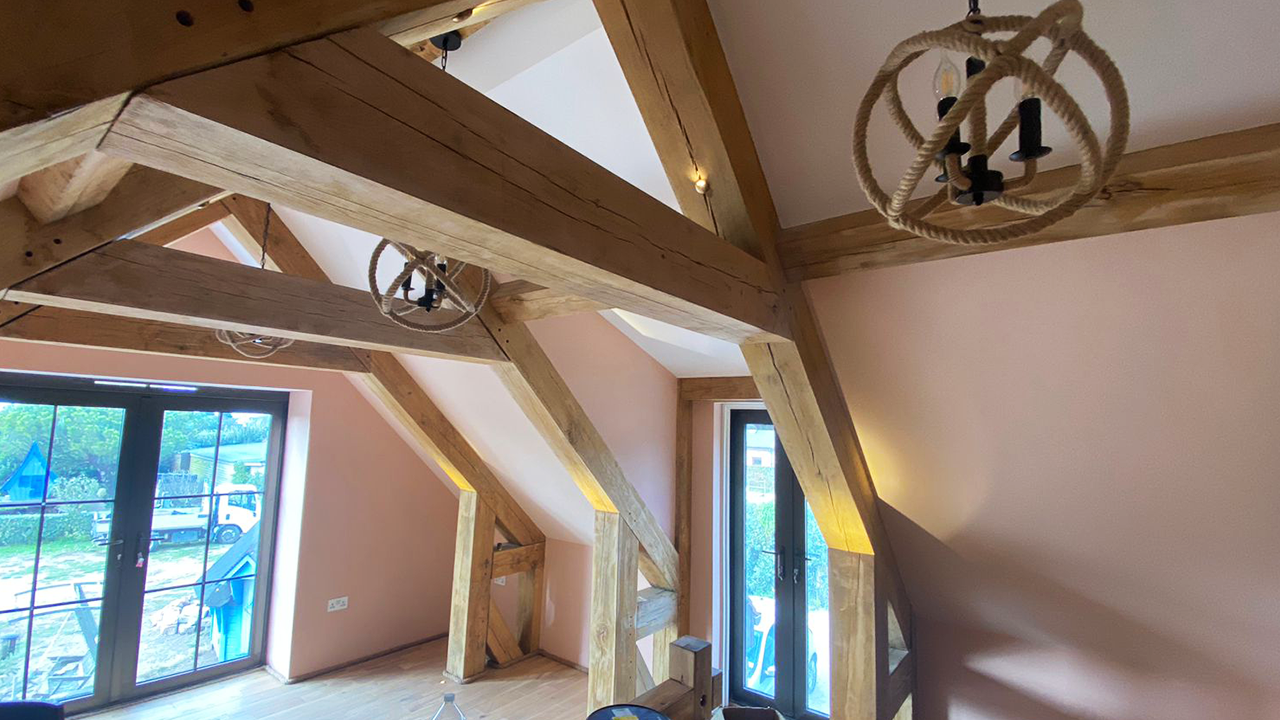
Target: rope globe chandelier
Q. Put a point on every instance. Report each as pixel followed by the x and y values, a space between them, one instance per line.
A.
pixel 963 156
pixel 254 345
pixel 443 303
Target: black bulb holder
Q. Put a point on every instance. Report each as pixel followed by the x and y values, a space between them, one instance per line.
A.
pixel 447 42
pixel 1029 140
pixel 954 146
pixel 985 184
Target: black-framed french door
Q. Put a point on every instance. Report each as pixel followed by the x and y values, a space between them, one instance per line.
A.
pixel 779 608
pixel 136 522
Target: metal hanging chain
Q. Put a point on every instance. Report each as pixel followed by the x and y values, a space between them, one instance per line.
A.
pixel 974 9
pixel 444 59
pixel 253 345
pixel 266 235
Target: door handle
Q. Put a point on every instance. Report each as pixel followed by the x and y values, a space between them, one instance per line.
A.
pixel 779 562
pixel 144 544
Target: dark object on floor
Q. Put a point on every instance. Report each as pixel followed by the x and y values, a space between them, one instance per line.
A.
pixel 742 713
pixel 626 711
pixel 31 711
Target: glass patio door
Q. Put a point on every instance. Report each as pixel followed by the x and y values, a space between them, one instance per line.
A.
pixel 134 528
pixel 780 632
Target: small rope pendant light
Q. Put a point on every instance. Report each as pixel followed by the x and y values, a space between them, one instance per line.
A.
pixel 253 345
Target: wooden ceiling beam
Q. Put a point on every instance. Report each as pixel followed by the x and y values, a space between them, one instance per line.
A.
pixel 70 186
pixel 76 328
pixel 144 199
pixel 357 130
pixel 521 301
pixel 1221 176
pixel 69 66
pixel 152 283
pixel 415 28
pixel 719 389
pixel 673 60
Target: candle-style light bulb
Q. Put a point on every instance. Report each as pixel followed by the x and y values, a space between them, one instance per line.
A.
pixel 947 81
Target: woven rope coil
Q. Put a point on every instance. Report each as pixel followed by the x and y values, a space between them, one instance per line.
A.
pixel 424 264
pixel 1060 23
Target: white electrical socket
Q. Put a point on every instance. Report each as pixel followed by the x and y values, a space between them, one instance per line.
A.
pixel 337 604
pixel 500 580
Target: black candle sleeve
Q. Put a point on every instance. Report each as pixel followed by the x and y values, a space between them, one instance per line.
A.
pixel 1029 133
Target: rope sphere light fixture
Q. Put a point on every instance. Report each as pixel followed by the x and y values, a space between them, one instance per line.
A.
pixel 973 181
pixel 255 345
pixel 443 300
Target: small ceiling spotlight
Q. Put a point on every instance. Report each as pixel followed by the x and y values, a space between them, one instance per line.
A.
pixel 464 15
pixel 700 185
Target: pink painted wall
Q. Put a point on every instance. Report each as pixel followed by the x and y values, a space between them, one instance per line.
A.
pixel 1076 446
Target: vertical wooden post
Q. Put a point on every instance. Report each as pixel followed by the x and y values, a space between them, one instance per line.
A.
pixel 533 597
pixel 684 534
pixel 853 635
pixel 472 573
pixel 690 660
pixel 614 575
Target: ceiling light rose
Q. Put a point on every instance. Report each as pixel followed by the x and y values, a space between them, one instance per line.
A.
pixel 974 182
pixel 444 301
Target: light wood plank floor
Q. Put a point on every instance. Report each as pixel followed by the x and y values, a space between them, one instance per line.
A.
pixel 407 684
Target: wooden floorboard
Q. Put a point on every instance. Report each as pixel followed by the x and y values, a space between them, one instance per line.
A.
pixel 408 684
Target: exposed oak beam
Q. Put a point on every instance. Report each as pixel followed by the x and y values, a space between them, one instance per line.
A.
pixel 510 561
pixel 521 301
pixel 612 640
pixel 655 610
pixel 389 380
pixel 472 572
pixel 153 283
pixel 1221 176
pixel 70 186
pixel 355 129
pixel 719 389
pixel 57 326
pixel 539 390
pixel 143 199
pixel 417 27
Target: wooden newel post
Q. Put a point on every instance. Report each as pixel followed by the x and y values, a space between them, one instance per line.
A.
pixel 694 689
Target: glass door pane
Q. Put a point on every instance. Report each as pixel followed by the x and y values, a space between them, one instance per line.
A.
pixel 818 618
pixel 203 551
pixel 58 471
pixel 759 560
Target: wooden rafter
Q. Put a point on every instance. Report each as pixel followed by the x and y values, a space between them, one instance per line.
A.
pixel 70 186
pixel 58 326
pixel 539 390
pixel 1222 176
pixel 68 66
pixel 143 199
pixel 152 283
pixel 521 301
pixel 312 127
